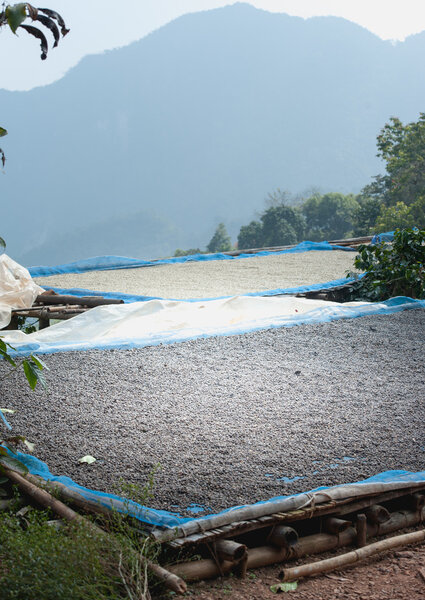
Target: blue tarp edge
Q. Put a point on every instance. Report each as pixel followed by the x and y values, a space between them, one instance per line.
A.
pixel 106 263
pixel 319 315
pixel 167 519
pixel 128 298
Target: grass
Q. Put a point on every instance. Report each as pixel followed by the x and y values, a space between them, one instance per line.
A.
pixel 52 560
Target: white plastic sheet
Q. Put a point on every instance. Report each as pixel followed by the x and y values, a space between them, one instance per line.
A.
pixel 156 321
pixel 17 289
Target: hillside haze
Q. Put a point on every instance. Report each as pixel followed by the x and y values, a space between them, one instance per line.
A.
pixel 146 148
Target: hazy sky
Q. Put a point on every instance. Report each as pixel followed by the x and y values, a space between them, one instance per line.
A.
pixel 97 25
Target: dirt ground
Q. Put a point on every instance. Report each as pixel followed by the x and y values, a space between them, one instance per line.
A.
pixel 394 575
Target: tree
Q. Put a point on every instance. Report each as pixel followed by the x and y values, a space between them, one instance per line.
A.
pixel 251 236
pixel 390 270
pixel 220 241
pixel 365 215
pixel 329 217
pixel 14 15
pixel 190 252
pixel 398 216
pixel 402 147
pixel 282 225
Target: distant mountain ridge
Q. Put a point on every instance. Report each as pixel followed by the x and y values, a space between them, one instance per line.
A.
pixel 194 125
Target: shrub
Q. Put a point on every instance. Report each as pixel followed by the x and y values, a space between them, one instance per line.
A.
pixel 396 269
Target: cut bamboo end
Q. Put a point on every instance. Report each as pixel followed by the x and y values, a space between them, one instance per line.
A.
pixel 336 526
pixel 337 562
pixel 377 514
pixel 283 537
pixel 230 550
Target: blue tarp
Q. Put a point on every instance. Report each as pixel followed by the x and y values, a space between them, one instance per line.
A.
pixel 162 518
pixel 378 238
pixel 106 263
pixel 127 298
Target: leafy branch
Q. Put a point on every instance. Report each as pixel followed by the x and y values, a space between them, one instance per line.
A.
pixel 14 15
pixel 396 269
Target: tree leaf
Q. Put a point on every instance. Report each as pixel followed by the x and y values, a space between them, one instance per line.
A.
pixel 39 35
pixel 8 411
pixel 87 459
pixel 54 15
pixel 50 25
pixel 6 355
pixel 15 15
pixel 12 463
pixel 30 374
pixel 284 587
pixel 3 132
pixel 32 11
pixel 32 368
pixel 29 445
pixel 40 364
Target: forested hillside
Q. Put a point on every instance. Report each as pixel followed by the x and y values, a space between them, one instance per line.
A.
pixel 147 148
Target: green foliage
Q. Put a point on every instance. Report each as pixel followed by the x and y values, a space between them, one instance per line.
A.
pixel 329 217
pixel 417 210
pixel 402 147
pixel 33 366
pixel 282 225
pixel 251 236
pixel 69 563
pixel 397 269
pixel 9 462
pixel 279 225
pixel 398 216
pixel 140 493
pixel 220 241
pixel 365 215
pixel 190 252
pixel 15 15
pixel 284 587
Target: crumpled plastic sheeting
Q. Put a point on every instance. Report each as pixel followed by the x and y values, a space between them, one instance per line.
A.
pixel 17 289
pixel 156 322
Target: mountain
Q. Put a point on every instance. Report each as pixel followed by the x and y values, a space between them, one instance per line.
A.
pixel 194 125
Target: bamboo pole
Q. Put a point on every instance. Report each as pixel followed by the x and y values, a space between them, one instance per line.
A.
pixel 230 550
pixel 377 514
pixel 361 529
pixel 307 545
pixel 337 562
pixel 283 536
pixel 335 525
pixel 286 505
pixel 90 301
pixel 43 497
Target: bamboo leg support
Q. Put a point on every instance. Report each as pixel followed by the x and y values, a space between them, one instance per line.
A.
pixel 323 566
pixel 361 528
pixel 308 545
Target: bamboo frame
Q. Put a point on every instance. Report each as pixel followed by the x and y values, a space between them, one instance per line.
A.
pixel 338 562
